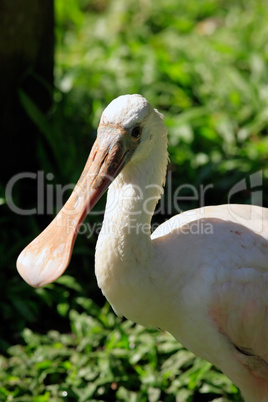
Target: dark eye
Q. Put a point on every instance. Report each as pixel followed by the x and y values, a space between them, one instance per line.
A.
pixel 136 131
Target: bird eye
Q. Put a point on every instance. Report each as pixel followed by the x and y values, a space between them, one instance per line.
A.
pixel 136 131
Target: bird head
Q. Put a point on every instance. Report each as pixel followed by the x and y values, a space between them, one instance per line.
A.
pixel 125 135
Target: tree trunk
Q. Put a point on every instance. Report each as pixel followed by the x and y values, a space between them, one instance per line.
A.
pixel 26 62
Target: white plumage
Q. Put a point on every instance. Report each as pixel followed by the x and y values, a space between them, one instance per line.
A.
pixel 202 275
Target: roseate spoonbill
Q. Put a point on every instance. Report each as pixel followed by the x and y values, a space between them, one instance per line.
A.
pixel 208 288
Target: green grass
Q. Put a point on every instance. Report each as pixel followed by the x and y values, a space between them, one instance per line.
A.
pixel 204 65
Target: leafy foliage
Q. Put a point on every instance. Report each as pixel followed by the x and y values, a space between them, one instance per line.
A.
pixel 105 358
pixel 204 65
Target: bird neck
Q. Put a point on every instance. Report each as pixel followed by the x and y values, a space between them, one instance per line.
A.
pixel 125 252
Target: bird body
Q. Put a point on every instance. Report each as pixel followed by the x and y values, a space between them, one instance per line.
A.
pixel 202 275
